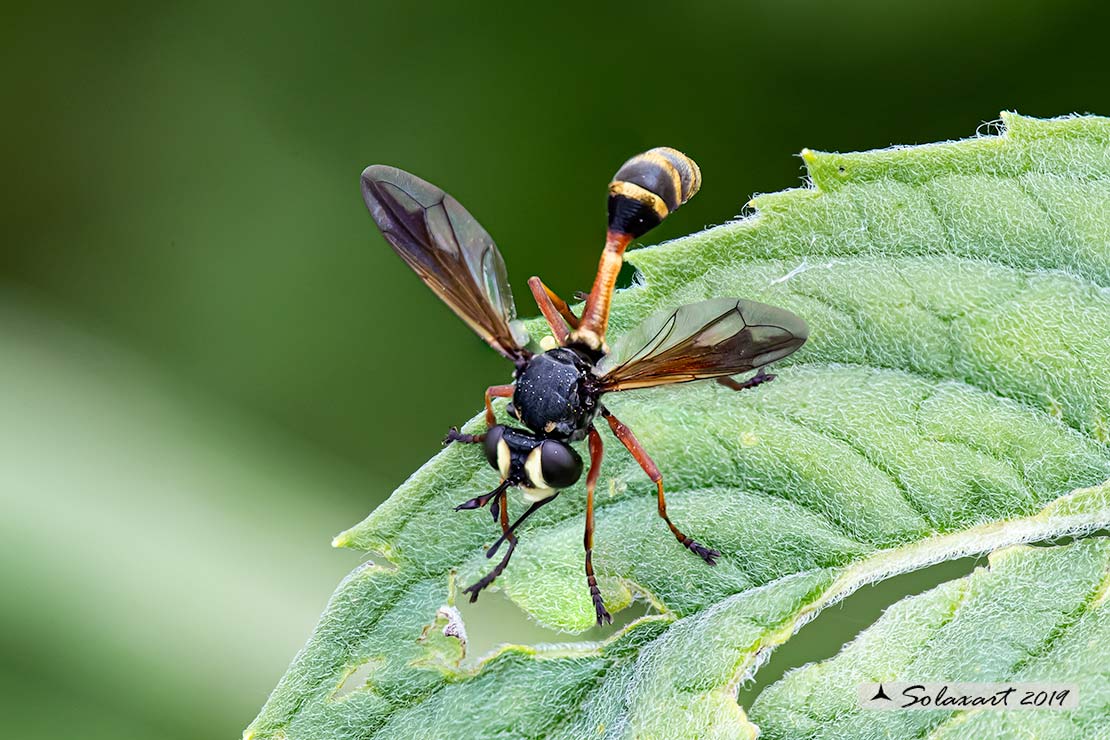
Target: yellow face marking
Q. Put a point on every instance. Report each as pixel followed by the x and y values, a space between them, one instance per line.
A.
pixel 548 343
pixel 635 192
pixel 504 458
pixel 532 495
pixel 534 469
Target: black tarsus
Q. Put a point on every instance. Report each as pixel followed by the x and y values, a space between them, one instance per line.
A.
pixel 499 501
pixel 454 435
pixel 603 615
pixel 503 510
pixel 597 451
pixel 490 577
pixel 761 376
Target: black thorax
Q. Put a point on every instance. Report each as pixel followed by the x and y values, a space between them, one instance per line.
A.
pixel 556 394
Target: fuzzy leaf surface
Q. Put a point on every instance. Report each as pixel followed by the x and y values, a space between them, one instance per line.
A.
pixel 953 398
pixel 1037 615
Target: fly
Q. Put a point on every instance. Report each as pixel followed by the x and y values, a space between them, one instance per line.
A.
pixel 556 394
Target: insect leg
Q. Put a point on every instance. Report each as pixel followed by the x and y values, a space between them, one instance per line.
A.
pixel 490 577
pixel 549 309
pixel 494 391
pixel 603 615
pixel 628 439
pixel 454 435
pixel 512 528
pixel 761 377
pixel 550 304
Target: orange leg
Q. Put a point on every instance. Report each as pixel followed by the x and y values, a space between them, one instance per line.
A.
pixel 595 316
pixel 494 391
pixel 628 439
pixel 552 307
pixel 603 615
pixel 559 304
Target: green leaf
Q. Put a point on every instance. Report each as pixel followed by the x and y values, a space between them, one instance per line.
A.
pixel 1037 615
pixel 954 398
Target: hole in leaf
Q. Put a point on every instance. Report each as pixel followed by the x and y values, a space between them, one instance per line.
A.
pixel 626 277
pixel 356 679
pixel 1069 539
pixel 823 638
pixel 495 620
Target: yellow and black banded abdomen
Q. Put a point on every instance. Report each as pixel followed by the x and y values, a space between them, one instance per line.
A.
pixel 650 186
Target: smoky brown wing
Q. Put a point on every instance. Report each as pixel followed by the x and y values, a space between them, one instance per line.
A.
pixel 449 250
pixel 710 339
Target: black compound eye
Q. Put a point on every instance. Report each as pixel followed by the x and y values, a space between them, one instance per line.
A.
pixel 491 442
pixel 560 464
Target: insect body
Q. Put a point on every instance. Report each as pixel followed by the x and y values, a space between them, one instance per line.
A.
pixel 556 395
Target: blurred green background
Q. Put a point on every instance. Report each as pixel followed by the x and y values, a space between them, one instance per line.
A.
pixel 211 362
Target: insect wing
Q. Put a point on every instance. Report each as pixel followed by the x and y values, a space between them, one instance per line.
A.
pixel 449 250
pixel 710 339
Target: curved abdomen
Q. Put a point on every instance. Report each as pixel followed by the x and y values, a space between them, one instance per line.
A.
pixel 649 187
pixel 645 190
